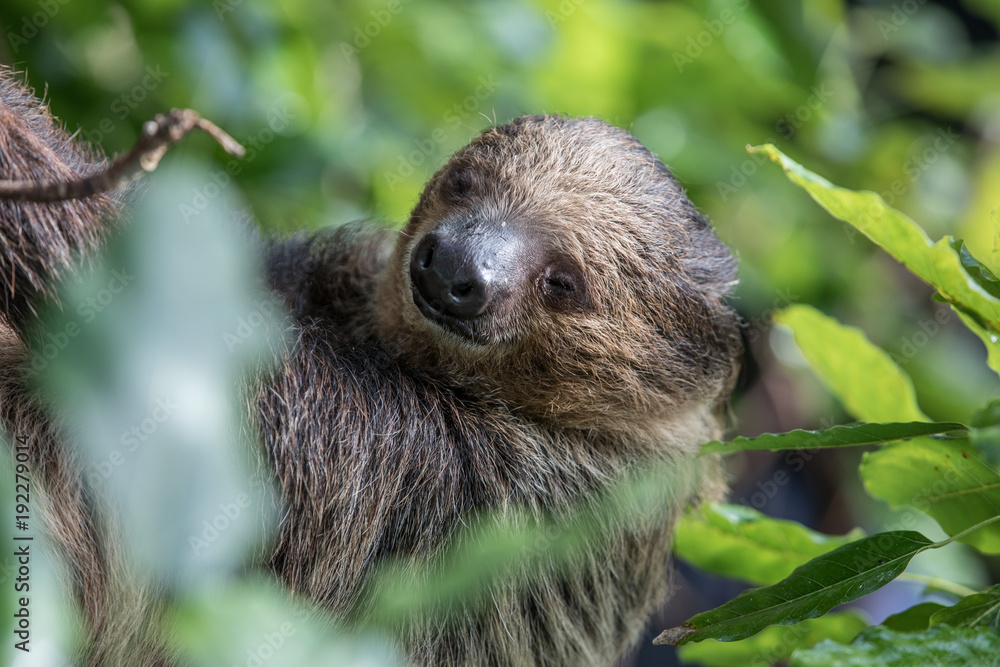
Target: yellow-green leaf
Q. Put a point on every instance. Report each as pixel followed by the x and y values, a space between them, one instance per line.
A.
pixel 865 379
pixel 741 543
pixel 936 263
pixel 775 643
pixel 945 479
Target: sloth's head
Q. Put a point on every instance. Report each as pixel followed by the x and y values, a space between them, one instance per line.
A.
pixel 556 263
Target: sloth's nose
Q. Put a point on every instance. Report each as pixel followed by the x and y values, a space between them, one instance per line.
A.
pixel 449 276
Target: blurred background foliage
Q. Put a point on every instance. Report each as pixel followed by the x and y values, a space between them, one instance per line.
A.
pixel 348 107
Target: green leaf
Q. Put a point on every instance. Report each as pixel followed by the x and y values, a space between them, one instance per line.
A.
pixel 937 264
pixel 945 479
pixel 840 576
pixel 846 435
pixel 741 543
pixel 869 384
pixel 976 269
pixel 774 643
pixel 985 432
pixel 917 617
pixel 940 646
pixel 972 611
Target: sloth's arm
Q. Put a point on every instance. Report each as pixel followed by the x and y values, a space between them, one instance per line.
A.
pixel 330 274
pixel 39 242
pixel 370 460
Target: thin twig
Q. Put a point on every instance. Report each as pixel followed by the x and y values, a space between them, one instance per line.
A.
pixel 159 134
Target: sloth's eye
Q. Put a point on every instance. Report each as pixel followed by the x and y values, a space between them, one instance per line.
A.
pixel 563 288
pixel 461 184
pixel 560 283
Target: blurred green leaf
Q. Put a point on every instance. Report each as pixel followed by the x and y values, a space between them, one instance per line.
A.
pixel 917 617
pixel 940 645
pixel 985 431
pixel 981 609
pixel 775 643
pixel 938 264
pixel 741 543
pixel 835 578
pixel 256 624
pixel 847 435
pixel 869 384
pixel 945 479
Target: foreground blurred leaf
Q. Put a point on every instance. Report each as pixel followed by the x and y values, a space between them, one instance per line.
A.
pixel 869 384
pixel 838 436
pixel 255 624
pixel 937 264
pixel 945 479
pixel 940 645
pixel 775 643
pixel 972 611
pixel 741 543
pixel 516 544
pixel 147 357
pixel 840 576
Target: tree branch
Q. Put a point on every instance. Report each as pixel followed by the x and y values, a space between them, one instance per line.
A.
pixel 159 134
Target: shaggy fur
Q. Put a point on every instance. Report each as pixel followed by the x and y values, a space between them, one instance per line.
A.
pixel 387 431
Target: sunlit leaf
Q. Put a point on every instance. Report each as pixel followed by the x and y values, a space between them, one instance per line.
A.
pixel 741 543
pixel 940 645
pixel 945 479
pixel 936 263
pixel 840 576
pixel 862 376
pixel 838 436
pixel 774 643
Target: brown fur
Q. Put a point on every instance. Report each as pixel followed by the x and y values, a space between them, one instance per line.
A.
pixel 387 433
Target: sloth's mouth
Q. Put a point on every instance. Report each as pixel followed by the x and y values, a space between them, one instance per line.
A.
pixel 458 327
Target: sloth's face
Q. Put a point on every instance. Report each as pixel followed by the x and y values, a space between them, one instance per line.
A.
pixel 547 260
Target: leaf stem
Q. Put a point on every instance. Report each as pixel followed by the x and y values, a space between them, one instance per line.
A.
pixel 961 534
pixel 941 584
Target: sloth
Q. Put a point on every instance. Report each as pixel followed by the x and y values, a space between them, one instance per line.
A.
pixel 551 317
